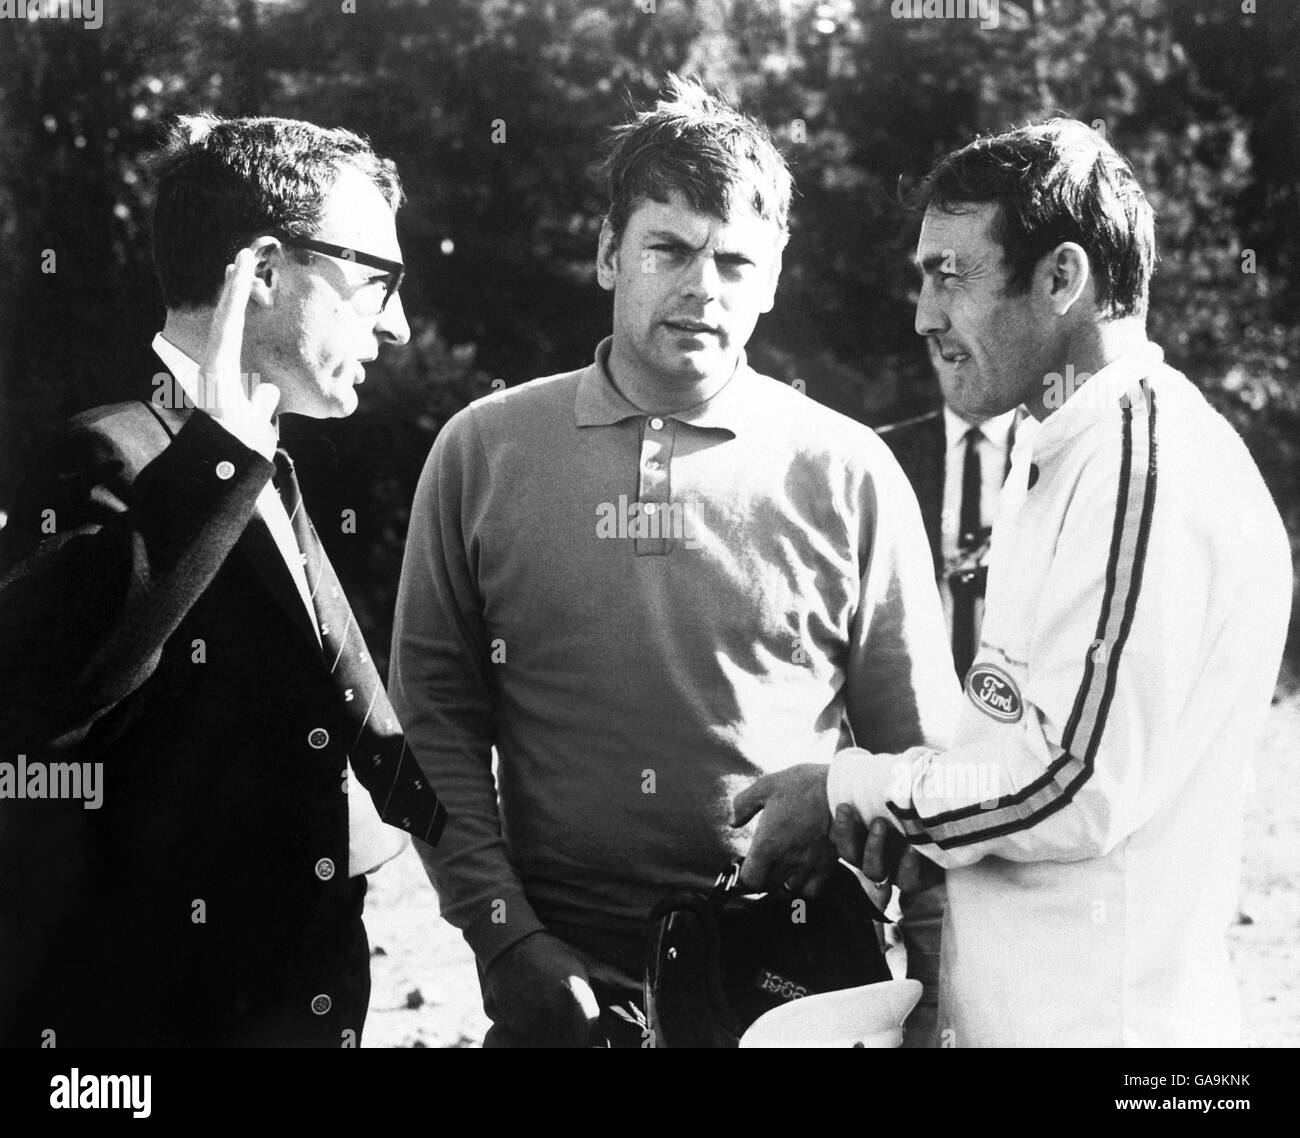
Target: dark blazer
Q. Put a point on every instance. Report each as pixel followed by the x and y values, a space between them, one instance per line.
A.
pixel 919 445
pixel 157 630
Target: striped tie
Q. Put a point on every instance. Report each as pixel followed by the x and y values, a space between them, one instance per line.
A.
pixel 377 751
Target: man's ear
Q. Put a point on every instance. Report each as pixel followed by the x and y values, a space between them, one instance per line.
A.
pixel 1064 276
pixel 607 257
pixel 270 256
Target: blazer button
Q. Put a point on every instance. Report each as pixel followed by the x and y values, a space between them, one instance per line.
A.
pixel 325 869
pixel 317 737
pixel 321 1004
pixel 225 470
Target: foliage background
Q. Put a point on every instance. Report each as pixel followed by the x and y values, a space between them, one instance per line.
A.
pixel 1202 96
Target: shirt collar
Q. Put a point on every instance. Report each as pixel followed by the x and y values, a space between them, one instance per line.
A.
pixel 186 373
pixel 600 404
pixel 1099 393
pixel 996 430
pixel 184 370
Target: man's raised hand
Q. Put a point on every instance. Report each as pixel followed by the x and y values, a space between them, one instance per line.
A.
pixel 228 393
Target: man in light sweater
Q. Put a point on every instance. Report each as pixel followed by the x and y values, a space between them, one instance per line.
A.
pixel 647 582
pixel 1089 814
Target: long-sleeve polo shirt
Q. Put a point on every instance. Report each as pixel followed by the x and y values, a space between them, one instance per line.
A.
pixel 644 613
pixel 1090 812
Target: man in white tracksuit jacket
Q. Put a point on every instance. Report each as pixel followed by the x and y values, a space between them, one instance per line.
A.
pixel 1089 812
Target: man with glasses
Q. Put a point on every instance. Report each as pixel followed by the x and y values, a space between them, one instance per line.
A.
pixel 394 271
pixel 170 625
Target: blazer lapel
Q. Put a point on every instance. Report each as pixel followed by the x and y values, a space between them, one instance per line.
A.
pixel 258 547
pixel 930 488
pixel 919 445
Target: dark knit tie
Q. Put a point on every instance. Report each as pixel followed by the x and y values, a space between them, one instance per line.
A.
pixel 377 748
pixel 965 585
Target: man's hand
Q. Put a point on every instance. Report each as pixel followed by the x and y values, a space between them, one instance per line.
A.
pixel 881 852
pixel 539 984
pixel 791 846
pixel 227 392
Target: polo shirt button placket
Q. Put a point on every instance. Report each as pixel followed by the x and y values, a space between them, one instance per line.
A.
pixel 653 485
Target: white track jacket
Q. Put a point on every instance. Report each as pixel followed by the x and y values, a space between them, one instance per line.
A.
pixel 1089 813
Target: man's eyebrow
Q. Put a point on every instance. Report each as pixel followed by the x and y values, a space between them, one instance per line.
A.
pixel 930 263
pixel 674 238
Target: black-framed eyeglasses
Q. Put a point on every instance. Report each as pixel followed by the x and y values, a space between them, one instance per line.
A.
pixel 395 270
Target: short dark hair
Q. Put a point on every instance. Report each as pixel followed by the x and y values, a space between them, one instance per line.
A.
pixel 222 182
pixel 695 142
pixel 1055 181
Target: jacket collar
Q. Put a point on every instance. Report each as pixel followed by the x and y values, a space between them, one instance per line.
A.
pixel 256 544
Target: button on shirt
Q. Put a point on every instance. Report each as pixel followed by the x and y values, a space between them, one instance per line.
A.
pixel 371 842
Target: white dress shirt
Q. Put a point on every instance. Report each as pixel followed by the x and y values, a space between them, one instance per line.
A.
pixel 994 452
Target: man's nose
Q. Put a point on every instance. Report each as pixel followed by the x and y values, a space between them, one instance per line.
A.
pixel 392 327
pixel 930 317
pixel 701 280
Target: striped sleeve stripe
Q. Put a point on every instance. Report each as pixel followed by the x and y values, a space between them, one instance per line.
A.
pixel 1073 765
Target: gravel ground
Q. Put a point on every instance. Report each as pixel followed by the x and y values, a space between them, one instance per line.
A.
pixel 425 991
pixel 1266 947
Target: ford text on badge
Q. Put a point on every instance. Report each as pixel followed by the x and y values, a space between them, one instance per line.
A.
pixel 994 692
